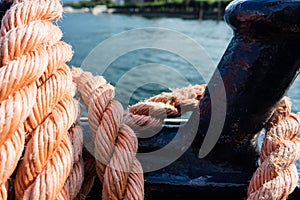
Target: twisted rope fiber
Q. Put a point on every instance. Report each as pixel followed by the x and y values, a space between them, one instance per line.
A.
pixel 88 160
pixel 19 68
pixel 277 175
pixel 115 143
pixel 148 115
pixel 74 182
pixel 37 85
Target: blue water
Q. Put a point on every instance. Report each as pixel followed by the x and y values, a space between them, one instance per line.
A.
pixel 85 31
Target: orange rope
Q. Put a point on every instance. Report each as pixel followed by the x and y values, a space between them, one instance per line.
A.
pixel 88 160
pixel 115 143
pixel 37 85
pixel 149 115
pixel 11 151
pixel 277 175
pixel 21 64
pixel 74 182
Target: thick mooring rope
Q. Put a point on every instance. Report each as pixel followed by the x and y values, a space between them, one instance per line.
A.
pixel 149 114
pixel 277 175
pixel 21 64
pixel 74 182
pixel 115 143
pixel 37 85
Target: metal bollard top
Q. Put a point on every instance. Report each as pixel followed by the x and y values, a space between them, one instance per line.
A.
pixel 264 17
pixel 258 67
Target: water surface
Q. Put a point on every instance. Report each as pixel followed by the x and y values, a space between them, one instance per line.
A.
pixel 85 31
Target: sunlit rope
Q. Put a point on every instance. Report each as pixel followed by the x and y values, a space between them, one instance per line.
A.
pixel 20 67
pixel 36 86
pixel 75 180
pixel 115 143
pixel 277 175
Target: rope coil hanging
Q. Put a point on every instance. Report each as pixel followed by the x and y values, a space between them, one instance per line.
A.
pixel 277 175
pixel 115 143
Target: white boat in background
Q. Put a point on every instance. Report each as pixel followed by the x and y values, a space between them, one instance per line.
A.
pixel 110 10
pixel 68 9
pixel 99 9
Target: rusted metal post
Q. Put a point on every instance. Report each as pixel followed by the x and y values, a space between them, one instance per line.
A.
pixel 257 69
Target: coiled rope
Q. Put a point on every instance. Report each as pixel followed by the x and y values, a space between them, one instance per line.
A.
pixel 36 86
pixel 115 143
pixel 277 175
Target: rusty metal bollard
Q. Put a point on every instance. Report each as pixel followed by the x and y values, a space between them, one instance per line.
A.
pixel 259 65
pixel 257 69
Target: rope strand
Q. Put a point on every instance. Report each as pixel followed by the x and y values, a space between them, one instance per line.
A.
pixel 115 142
pixel 37 85
pixel 277 175
pixel 147 116
pixel 74 182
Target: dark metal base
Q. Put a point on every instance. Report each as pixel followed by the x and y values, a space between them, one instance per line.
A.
pixel 192 178
pixel 214 181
